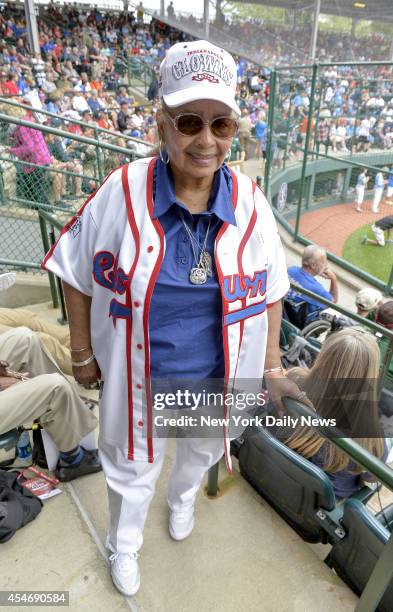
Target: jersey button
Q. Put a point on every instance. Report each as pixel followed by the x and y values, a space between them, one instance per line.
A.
pixel 139 386
pixel 150 249
pixel 136 304
pixel 139 346
pixel 140 423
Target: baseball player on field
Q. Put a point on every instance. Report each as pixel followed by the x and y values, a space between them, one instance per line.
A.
pixel 379 228
pixel 172 269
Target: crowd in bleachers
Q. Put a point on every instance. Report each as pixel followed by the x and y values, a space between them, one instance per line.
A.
pixel 81 71
pixel 82 74
pixel 354 107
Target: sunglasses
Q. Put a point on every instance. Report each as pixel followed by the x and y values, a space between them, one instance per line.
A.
pixel 190 124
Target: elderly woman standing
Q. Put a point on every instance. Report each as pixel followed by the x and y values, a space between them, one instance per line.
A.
pixel 172 269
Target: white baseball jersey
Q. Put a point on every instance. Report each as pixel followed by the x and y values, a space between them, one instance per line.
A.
pixel 112 250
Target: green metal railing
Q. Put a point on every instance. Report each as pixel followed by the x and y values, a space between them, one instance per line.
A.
pixel 140 72
pixel 27 187
pixel 370 325
pixel 303 165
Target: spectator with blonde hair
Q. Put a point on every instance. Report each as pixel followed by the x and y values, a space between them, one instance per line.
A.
pixel 342 385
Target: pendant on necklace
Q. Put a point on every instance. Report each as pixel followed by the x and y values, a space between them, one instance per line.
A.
pixel 198 276
pixel 206 263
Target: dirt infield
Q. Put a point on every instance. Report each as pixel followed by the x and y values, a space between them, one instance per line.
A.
pixel 330 227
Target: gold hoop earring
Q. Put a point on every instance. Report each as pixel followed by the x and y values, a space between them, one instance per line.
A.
pixel 161 153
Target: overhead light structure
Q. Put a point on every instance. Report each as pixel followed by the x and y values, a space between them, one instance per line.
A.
pixel 359 5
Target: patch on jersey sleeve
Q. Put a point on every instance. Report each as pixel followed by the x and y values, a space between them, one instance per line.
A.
pixel 76 228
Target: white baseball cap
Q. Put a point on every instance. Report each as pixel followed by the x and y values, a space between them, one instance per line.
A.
pixel 198 70
pixel 368 298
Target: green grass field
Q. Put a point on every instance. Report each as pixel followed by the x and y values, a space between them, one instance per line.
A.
pixel 375 260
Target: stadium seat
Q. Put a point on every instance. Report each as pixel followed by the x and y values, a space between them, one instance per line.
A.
pixel 288 333
pixel 353 558
pixel 8 442
pixel 296 488
pixel 295 312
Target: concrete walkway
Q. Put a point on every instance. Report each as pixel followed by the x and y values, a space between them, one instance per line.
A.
pixel 240 556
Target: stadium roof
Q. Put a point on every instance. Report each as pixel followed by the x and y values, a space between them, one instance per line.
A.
pixel 373 10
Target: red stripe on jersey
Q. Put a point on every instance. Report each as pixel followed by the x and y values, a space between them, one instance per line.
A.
pixel 240 252
pixel 146 309
pixel 135 234
pixel 224 312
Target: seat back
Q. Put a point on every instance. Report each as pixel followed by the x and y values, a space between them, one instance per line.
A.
pixel 295 312
pixel 294 486
pixel 9 439
pixel 354 557
pixel 8 442
pixel 287 331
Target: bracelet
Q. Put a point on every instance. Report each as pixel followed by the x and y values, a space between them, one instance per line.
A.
pixel 80 350
pixel 80 364
pixel 278 369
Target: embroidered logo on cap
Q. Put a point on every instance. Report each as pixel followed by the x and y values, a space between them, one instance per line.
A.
pixel 206 64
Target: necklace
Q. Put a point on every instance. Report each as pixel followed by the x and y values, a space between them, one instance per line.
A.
pixel 203 261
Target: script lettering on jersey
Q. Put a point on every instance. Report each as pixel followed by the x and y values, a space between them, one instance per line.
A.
pixel 107 273
pixel 238 287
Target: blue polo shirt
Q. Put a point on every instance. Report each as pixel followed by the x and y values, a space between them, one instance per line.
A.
pixel 185 320
pixel 306 280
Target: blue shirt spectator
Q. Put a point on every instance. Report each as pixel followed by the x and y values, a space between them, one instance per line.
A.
pixel 314 262
pixel 306 280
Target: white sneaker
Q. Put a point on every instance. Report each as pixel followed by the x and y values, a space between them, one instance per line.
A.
pixel 125 572
pixel 181 523
pixel 7 279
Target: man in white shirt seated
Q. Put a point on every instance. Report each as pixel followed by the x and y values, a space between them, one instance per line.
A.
pixel 79 102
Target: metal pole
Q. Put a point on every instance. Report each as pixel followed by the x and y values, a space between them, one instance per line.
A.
pixel 306 145
pixel 64 318
pixel 314 153
pixel 45 242
pixel 99 160
pixel 388 290
pixel 162 8
pixel 270 121
pixel 212 481
pixel 314 35
pixel 206 18
pixel 218 12
pixel 378 581
pixel 32 30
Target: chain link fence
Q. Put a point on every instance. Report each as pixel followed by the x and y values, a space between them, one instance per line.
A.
pixel 43 168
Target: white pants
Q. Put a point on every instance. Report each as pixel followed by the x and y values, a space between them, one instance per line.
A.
pixel 379 235
pixel 389 193
pixel 131 485
pixel 359 195
pixel 377 198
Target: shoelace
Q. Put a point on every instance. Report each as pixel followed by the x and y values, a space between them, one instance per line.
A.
pixel 115 556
